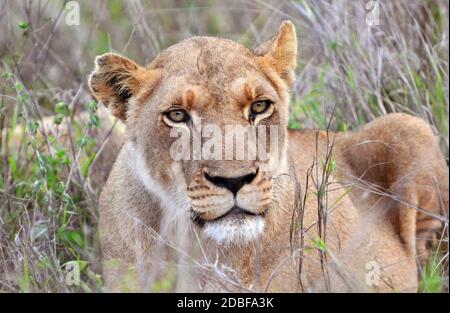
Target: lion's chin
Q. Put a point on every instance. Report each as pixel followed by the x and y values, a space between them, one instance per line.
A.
pixel 235 229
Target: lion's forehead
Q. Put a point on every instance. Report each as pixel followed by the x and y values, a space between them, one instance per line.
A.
pixel 219 72
pixel 206 58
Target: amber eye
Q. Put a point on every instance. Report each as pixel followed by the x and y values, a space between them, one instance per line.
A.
pixel 260 107
pixel 177 115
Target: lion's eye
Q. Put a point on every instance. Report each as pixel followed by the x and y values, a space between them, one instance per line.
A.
pixel 177 115
pixel 260 107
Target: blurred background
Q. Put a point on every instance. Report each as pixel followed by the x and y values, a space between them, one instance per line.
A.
pixel 357 60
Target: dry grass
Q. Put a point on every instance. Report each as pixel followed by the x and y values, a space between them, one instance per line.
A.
pixel 48 197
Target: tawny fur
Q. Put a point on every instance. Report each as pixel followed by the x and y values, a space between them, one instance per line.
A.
pixel 390 185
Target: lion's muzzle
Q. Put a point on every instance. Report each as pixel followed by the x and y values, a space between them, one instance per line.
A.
pixel 230 208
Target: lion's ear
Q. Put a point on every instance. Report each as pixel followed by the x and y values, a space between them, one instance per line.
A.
pixel 280 52
pixel 114 81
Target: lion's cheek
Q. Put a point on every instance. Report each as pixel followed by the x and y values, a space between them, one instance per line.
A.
pixel 254 198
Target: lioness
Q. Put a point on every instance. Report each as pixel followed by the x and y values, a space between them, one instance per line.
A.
pixel 354 211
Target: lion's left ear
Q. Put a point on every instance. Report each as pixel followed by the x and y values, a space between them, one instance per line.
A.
pixel 280 52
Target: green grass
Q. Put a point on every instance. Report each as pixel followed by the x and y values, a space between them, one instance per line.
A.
pixel 433 276
pixel 51 213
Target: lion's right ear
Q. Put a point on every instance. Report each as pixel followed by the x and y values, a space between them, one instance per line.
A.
pixel 115 80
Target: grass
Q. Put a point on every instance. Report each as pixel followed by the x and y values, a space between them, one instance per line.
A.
pixel 48 196
pixel 433 276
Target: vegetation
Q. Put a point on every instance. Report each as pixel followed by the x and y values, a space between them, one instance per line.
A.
pixel 354 64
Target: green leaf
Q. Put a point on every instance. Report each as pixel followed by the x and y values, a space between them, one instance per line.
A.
pixel 32 127
pixel 62 109
pixel 76 238
pixel 71 236
pixel 58 119
pixel 343 127
pixel 24 25
pixel 19 87
pixel 94 120
pixel 82 264
pixel 7 75
pixel 92 106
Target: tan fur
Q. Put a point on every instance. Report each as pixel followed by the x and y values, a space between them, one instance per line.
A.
pixel 389 176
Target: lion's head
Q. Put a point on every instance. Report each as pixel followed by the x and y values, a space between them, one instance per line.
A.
pixel 199 82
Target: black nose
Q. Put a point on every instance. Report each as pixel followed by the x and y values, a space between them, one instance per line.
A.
pixel 233 184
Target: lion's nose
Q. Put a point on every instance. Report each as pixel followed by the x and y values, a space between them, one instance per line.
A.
pixel 233 184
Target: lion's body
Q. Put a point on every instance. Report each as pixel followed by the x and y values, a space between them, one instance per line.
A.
pixel 358 220
pixel 367 225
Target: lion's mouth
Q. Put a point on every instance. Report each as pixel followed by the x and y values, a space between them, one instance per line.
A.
pixel 236 213
pixel 236 226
